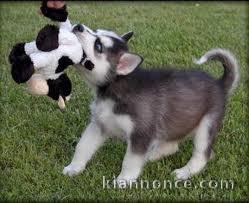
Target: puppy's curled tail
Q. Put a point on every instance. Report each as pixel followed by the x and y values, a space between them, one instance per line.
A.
pixel 231 75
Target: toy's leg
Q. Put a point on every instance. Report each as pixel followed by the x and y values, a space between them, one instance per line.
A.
pixel 60 89
pixel 65 87
pixel 37 85
pixel 68 97
pixel 65 90
pixel 54 91
pixel 61 103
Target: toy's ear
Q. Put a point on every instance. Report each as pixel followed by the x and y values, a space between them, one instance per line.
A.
pixel 21 65
pixel 47 38
pixel 22 69
pixel 127 63
pixel 17 51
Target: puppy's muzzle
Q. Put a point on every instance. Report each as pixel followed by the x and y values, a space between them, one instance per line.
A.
pixel 78 28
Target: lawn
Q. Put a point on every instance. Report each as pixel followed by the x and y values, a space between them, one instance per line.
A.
pixel 37 140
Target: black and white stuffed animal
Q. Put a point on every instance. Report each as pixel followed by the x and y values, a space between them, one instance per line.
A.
pixel 41 63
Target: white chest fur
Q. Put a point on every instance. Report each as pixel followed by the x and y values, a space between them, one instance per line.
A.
pixel 119 125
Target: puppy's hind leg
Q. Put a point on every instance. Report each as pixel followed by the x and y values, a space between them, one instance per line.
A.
pixel 203 141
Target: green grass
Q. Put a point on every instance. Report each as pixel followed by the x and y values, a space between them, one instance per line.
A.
pixel 37 139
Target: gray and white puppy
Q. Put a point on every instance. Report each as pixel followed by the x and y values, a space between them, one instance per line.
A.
pixel 151 109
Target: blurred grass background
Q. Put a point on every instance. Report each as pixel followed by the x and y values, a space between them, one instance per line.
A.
pixel 37 139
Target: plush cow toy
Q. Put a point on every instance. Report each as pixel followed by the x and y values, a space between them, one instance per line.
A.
pixel 41 63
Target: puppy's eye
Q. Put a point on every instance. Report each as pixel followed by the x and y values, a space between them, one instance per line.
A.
pixel 98 46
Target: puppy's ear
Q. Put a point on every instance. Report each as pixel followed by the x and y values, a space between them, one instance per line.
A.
pixel 47 38
pixel 127 63
pixel 127 36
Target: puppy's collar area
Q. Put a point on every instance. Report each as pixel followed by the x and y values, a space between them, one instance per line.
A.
pixel 85 61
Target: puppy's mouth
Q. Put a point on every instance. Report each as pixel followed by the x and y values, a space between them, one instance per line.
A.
pixel 86 62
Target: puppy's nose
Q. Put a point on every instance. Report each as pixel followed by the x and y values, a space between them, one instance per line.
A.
pixel 78 28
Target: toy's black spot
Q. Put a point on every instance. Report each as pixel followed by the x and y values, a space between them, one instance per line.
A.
pixel 17 51
pixel 64 62
pixel 22 69
pixel 58 14
pixel 47 38
pixel 89 65
pixel 60 86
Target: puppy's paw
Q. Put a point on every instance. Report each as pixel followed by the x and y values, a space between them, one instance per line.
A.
pixel 73 169
pixel 182 173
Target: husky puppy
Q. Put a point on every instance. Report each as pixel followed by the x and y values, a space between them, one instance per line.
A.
pixel 151 109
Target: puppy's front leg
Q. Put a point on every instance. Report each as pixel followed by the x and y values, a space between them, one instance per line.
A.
pixel 90 141
pixel 131 167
